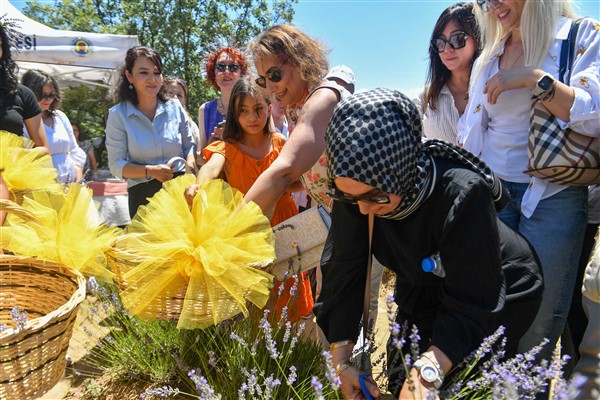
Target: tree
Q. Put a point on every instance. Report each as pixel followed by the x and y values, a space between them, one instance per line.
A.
pixel 184 32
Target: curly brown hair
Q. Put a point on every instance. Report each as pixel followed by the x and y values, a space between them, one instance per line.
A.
pixel 290 44
pixel 235 55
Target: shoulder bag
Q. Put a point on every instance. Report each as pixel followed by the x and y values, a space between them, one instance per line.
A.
pixel 559 155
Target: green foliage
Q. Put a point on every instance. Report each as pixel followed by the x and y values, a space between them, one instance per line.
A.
pixel 184 32
pixel 246 352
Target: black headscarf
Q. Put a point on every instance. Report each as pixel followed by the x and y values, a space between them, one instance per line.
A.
pixel 375 138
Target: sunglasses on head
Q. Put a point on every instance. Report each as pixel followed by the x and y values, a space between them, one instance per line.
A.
pixel 274 75
pixel 486 5
pixel 47 96
pixel 457 40
pixel 231 67
pixel 337 195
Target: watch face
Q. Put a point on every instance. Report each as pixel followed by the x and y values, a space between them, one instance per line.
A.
pixel 429 373
pixel 545 82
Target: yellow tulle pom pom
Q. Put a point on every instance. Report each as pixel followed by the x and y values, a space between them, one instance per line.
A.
pixel 66 230
pixel 23 168
pixel 200 265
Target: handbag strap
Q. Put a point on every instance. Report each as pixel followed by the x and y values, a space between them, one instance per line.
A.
pixel 367 300
pixel 567 52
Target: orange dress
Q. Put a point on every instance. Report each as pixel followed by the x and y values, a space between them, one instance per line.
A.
pixel 241 172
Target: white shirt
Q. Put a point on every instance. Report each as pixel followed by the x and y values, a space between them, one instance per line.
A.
pixel 443 122
pixel 584 114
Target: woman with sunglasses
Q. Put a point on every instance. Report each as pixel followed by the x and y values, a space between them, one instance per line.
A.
pixel 67 157
pixel 519 63
pixel 421 199
pixel 453 49
pixel 18 105
pixel 146 130
pixel 292 66
pixel 223 69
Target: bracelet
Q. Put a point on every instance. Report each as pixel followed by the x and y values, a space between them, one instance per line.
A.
pixel 548 94
pixel 342 367
pixel 341 343
pixel 146 172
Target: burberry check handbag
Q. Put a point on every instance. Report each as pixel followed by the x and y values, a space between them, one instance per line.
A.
pixel 561 155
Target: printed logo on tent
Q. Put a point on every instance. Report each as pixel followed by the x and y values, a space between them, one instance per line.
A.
pixel 82 47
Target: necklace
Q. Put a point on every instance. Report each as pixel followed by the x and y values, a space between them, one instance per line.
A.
pixel 220 107
pixel 515 60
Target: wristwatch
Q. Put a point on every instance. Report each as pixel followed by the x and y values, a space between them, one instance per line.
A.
pixel 430 373
pixel 542 85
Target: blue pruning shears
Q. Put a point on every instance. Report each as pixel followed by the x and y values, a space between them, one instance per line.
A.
pixel 363 386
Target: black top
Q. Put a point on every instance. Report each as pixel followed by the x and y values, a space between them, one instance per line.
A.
pixel 486 264
pixel 16 108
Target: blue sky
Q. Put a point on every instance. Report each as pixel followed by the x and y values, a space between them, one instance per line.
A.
pixel 384 42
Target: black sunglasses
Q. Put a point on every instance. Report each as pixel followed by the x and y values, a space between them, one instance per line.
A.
pixel 457 40
pixel 337 195
pixel 274 75
pixel 47 96
pixel 231 67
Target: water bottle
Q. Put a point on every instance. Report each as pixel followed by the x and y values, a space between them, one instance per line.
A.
pixel 434 265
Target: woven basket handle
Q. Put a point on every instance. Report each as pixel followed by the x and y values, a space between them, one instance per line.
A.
pixel 14 208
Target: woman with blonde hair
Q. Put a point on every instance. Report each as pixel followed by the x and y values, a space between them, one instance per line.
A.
pixel 519 63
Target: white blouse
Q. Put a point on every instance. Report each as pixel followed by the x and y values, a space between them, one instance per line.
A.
pixel 443 122
pixel 474 125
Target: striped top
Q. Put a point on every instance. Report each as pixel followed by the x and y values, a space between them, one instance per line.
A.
pixel 442 123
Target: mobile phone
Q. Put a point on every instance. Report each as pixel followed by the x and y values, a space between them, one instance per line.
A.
pixel 221 124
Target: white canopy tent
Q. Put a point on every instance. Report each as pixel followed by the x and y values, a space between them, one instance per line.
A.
pixel 71 57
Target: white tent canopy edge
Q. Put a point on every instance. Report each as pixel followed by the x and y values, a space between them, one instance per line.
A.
pixel 71 57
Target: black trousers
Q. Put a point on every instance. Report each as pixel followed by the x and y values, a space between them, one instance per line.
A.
pixel 139 194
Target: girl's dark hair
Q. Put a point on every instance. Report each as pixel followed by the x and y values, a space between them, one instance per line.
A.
pixel 122 91
pixel 35 80
pixel 211 61
pixel 242 88
pixel 438 75
pixel 8 67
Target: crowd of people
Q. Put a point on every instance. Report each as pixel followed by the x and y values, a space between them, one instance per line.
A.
pixel 404 180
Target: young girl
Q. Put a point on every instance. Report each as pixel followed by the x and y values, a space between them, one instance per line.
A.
pixel 250 144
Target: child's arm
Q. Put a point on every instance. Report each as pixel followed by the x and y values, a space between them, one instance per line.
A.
pixel 212 169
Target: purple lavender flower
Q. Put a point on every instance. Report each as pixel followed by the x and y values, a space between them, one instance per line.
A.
pixel 205 391
pixel 317 388
pixel 270 343
pixel 164 392
pixel 212 360
pixel 330 374
pixel 270 384
pixel 293 376
pixel 19 317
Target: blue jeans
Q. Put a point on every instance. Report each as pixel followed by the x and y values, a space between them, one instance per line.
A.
pixel 555 230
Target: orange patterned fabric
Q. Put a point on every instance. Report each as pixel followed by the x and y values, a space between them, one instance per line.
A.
pixel 242 171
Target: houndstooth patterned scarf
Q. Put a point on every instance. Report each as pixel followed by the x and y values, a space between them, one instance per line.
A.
pixel 375 138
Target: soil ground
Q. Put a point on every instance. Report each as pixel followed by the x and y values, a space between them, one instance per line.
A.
pixel 82 382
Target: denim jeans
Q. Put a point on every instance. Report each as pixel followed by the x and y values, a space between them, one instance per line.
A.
pixel 555 230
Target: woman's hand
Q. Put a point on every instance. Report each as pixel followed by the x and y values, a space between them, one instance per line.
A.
pixel 161 172
pixel 510 79
pixel 416 389
pixel 351 389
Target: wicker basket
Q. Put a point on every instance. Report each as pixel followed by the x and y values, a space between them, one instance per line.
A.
pixel 33 359
pixel 120 262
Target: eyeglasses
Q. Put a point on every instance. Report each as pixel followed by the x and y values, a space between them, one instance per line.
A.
pixel 485 5
pixel 457 40
pixel 231 67
pixel 367 198
pixel 47 96
pixel 274 75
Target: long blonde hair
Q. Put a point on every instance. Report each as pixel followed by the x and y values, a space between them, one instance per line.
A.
pixel 539 22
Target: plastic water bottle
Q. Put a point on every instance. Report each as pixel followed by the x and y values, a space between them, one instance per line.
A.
pixel 434 265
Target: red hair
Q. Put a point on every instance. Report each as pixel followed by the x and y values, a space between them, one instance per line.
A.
pixel 235 55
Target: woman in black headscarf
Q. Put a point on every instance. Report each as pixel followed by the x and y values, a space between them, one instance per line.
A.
pixel 428 199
